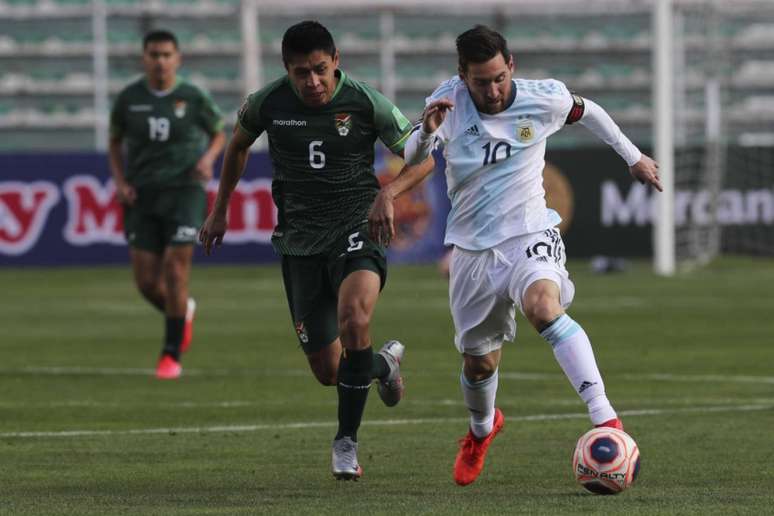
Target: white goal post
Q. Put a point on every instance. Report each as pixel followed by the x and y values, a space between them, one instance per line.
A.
pixel 664 259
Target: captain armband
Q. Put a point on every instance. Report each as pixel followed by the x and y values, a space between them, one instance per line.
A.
pixel 577 109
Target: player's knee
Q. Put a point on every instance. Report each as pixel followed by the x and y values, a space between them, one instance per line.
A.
pixel 478 368
pixel 148 286
pixel 175 272
pixel 541 309
pixel 353 324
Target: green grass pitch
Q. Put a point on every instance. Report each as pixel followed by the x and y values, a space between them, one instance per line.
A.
pixel 86 429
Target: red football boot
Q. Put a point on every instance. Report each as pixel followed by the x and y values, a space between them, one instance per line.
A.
pixel 190 312
pixel 168 368
pixel 612 423
pixel 470 458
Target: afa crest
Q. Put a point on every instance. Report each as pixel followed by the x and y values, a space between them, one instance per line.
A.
pixel 343 123
pixel 180 108
pixel 525 131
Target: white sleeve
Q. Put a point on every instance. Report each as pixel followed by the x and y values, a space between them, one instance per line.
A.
pixel 596 120
pixel 419 146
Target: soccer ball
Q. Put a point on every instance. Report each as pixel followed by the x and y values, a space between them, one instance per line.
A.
pixel 606 460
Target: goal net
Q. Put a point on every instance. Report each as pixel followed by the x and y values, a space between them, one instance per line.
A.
pixel 723 129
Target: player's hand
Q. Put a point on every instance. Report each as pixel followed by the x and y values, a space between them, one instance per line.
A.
pixel 381 218
pixel 203 169
pixel 434 114
pixel 646 171
pixel 126 193
pixel 212 231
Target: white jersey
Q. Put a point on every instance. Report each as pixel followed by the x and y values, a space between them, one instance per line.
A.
pixel 494 163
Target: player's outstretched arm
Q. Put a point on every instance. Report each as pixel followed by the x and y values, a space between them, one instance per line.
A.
pixel 381 217
pixel 214 228
pixel 598 121
pixel 646 172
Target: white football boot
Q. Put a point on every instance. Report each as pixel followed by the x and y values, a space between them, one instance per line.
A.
pixel 390 387
pixel 344 459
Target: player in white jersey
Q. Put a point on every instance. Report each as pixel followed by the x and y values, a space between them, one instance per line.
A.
pixel 507 252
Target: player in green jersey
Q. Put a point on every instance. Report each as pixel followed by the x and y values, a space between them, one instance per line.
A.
pixel 333 219
pixel 172 133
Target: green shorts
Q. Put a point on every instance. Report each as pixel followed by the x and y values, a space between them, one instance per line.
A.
pixel 312 286
pixel 165 217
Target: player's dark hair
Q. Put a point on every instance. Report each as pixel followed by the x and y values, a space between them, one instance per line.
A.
pixel 158 36
pixel 479 45
pixel 306 37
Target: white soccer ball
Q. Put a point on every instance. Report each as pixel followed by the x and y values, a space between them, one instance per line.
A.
pixel 606 460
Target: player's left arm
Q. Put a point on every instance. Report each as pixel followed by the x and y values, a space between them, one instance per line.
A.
pixel 592 116
pixel 394 130
pixel 211 120
pixel 381 217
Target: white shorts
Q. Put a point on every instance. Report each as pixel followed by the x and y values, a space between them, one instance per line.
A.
pixel 486 286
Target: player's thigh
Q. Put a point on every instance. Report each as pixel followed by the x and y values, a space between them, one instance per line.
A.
pixel 356 252
pixel 540 256
pixel 357 295
pixel 311 300
pixel 483 317
pixel 182 211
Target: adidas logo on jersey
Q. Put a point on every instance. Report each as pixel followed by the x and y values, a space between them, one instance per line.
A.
pixel 472 130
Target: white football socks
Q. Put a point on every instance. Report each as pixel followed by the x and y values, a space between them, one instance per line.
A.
pixel 572 350
pixel 480 400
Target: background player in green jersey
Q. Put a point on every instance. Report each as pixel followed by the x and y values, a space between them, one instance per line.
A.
pixel 322 127
pixel 172 132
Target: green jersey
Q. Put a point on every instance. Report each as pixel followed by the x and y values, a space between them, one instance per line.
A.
pixel 323 158
pixel 166 134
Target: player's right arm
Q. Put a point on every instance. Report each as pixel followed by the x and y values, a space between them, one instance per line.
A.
pixel 420 144
pixel 124 191
pixel 234 161
pixel 248 128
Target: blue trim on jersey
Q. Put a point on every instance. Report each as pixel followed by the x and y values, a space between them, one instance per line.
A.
pixel 562 328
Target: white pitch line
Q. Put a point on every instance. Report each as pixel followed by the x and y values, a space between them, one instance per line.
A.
pixel 443 402
pixel 139 371
pixel 707 378
pixel 506 375
pixel 383 422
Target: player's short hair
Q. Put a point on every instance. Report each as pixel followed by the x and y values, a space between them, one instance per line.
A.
pixel 159 36
pixel 479 45
pixel 306 37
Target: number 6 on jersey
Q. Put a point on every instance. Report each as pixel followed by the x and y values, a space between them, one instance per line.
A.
pixel 316 157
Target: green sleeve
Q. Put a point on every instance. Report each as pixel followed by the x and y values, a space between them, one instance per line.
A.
pixel 249 116
pixel 117 122
pixel 210 116
pixel 391 125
